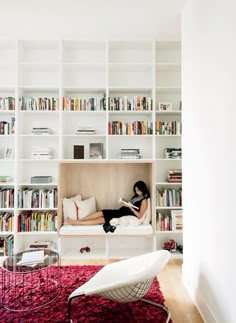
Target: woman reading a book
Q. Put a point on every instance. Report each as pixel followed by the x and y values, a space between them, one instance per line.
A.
pixel 137 206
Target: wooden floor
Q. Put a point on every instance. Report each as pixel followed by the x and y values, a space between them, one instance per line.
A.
pixel 177 299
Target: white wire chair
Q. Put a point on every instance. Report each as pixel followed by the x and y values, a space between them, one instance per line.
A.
pixel 125 281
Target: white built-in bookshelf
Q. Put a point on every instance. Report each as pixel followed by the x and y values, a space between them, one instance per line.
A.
pixel 132 79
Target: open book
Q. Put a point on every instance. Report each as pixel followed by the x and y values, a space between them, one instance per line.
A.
pixel 121 200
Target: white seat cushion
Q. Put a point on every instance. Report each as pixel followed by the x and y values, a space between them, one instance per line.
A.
pixel 74 230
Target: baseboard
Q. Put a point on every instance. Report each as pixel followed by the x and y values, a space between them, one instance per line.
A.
pixel 197 297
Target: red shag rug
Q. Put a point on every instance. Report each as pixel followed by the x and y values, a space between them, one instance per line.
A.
pixel 86 308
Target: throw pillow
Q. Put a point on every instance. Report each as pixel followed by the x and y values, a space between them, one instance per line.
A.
pixel 86 207
pixel 69 208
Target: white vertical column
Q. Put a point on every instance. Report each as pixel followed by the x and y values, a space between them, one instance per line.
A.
pixel 154 144
pixel 61 94
pixel 107 96
pixel 16 144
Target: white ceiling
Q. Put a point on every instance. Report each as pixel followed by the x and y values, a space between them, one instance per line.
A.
pixel 90 19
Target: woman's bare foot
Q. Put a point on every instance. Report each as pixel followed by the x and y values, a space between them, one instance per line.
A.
pixel 71 221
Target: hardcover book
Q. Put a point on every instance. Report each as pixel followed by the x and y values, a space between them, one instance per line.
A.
pixel 78 152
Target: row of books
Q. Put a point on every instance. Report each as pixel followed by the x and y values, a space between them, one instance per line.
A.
pixel 135 128
pixel 37 198
pixel 168 128
pixel 39 104
pixel 132 153
pixel 42 153
pixel 37 221
pixel 6 221
pixel 90 104
pixel 6 245
pixel 137 103
pixel 7 103
pixel 7 198
pixel 174 176
pixel 169 197
pixel 170 222
pixel 7 128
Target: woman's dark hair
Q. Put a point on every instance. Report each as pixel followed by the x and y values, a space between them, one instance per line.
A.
pixel 142 187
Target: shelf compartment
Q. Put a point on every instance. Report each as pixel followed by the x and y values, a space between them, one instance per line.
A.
pixel 38 119
pixel 168 52
pixel 84 75
pixel 72 121
pixel 39 75
pixel 39 51
pixel 143 143
pixel 27 169
pixel 68 143
pixel 84 52
pixel 130 52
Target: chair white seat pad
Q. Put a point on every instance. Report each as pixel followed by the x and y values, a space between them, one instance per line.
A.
pixel 74 230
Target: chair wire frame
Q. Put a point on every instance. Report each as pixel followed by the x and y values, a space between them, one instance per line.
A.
pixel 125 294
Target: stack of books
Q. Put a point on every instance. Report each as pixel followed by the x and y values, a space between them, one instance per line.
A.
pixel 44 244
pixel 42 153
pixel 85 131
pixel 174 176
pixel 133 153
pixel 42 131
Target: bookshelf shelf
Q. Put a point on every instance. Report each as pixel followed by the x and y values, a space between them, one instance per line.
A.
pixel 87 69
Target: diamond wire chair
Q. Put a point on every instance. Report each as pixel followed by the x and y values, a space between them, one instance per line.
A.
pixel 125 281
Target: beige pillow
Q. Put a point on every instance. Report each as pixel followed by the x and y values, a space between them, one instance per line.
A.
pixel 86 207
pixel 69 208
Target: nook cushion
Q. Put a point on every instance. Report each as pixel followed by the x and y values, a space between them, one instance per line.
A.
pixel 69 208
pixel 86 207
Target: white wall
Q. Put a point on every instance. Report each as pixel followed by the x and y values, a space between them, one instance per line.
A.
pixel 209 156
pixel 91 19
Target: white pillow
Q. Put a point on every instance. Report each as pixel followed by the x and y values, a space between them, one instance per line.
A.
pixel 146 218
pixel 86 207
pixel 69 208
pixel 125 221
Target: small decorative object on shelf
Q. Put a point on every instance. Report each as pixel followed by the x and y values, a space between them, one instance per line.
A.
pixel 78 152
pixel 87 249
pixel 177 220
pixel 165 106
pixel 9 153
pixel 96 150
pixel 170 245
